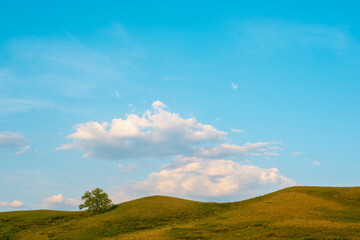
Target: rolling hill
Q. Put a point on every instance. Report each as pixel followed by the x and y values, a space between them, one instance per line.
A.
pixel 291 213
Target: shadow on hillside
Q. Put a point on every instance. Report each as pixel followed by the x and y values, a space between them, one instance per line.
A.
pixel 89 214
pixel 113 207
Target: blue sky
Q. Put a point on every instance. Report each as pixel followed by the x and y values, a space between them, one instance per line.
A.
pixel 209 101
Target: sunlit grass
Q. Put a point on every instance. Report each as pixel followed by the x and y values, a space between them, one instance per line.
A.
pixel 296 213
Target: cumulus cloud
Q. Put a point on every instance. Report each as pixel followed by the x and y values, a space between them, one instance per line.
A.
pixel 158 133
pixel 13 204
pixel 55 199
pixel 202 169
pixel 157 105
pixel 58 202
pixel 217 179
pixel 13 141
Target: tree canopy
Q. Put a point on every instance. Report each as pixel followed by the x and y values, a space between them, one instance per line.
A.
pixel 96 200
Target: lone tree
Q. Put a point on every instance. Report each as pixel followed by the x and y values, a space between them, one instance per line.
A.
pixel 96 200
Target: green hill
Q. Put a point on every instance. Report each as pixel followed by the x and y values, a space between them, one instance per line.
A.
pixel 291 213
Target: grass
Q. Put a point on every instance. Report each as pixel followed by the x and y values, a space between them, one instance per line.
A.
pixel 291 213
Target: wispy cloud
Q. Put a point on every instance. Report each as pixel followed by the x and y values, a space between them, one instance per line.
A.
pixel 127 168
pixel 116 29
pixel 232 150
pixel 63 66
pixel 234 86
pixel 296 153
pixel 17 105
pixel 25 178
pixel 316 163
pixel 23 150
pixel 12 141
pixel 235 130
pixel 281 34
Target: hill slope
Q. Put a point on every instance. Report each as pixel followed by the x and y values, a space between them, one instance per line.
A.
pixel 296 213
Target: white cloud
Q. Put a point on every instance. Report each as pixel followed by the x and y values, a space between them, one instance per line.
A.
pixel 235 130
pixel 58 202
pixel 65 147
pixel 117 195
pixel 10 140
pixel 157 133
pixel 55 199
pixel 201 178
pixel 316 163
pixel 127 168
pixel 23 150
pixel 234 86
pixel 157 105
pixel 200 171
pixel 14 204
pixel 249 149
pixel 296 153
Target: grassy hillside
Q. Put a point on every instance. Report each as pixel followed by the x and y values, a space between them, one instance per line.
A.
pixel 296 213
